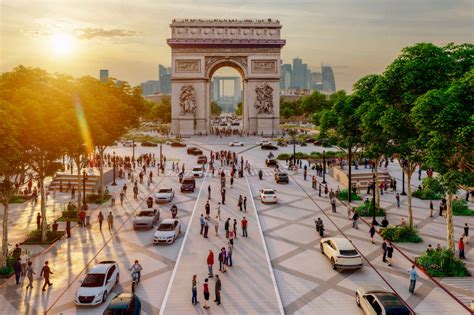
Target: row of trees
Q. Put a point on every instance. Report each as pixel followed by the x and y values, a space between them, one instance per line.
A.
pixel 46 117
pixel 302 108
pixel 420 111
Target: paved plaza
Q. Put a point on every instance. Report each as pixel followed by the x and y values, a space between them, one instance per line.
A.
pixel 278 269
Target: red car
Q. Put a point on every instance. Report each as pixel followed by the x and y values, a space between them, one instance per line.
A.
pixel 202 159
pixel 178 144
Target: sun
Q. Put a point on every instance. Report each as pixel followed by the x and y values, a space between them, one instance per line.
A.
pixel 62 44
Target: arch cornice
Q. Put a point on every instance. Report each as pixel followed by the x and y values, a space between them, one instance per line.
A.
pixel 238 63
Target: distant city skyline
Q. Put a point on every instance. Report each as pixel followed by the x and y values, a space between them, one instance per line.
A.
pixel 356 38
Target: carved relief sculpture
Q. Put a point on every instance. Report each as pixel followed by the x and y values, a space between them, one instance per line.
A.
pixel 264 66
pixel 187 100
pixel 264 99
pixel 188 65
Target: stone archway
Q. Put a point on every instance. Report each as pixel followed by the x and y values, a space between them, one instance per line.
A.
pixel 200 47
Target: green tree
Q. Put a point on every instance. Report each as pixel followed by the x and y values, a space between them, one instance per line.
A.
pixel 216 110
pixel 238 110
pixel 162 110
pixel 445 120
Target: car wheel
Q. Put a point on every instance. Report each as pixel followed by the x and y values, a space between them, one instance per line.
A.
pixel 117 280
pixel 322 249
pixel 333 263
pixel 357 299
pixel 104 297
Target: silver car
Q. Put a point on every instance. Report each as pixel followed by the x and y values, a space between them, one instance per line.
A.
pixel 146 219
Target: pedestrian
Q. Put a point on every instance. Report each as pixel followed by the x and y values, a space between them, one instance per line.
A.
pixel 16 252
pixel 461 248
pixel 231 237
pixel 29 274
pixel 333 204
pixel 349 211
pixel 209 192
pixel 68 228
pixel 18 269
pixel 231 181
pixel 122 197
pixel 389 253
pixel 431 208
pixel 202 223
pixel 413 275
pixel 206 293
pixel 112 199
pixel 210 262
pixel 224 259
pixel 226 227
pixel 38 221
pixel 87 213
pixel 326 190
pixel 466 232
pixel 384 222
pixel 219 210
pixel 441 207
pixel 244 224
pixel 135 191
pixel 216 225
pixel 245 203
pixel 235 228
pixel 397 197
pixel 319 189
pixel 82 217
pixel 194 290
pixel 372 233
pixel 384 249
pixel 101 219
pixel 110 220
pixel 46 272
pixel 208 208
pixel 240 202
pixel 223 196
pixel 218 290
pixel 136 268
pixel 355 217
pixel 229 254
pixel 73 192
pixel 206 227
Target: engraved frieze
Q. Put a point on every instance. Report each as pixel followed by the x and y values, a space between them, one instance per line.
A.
pixel 264 66
pixel 188 65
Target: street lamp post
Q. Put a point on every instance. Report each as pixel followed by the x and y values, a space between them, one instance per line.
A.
pixel 84 178
pixel 324 167
pixel 161 158
pixel 403 178
pixel 374 220
pixel 113 161
pixel 133 150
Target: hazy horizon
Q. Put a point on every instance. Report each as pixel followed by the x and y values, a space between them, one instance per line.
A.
pixel 129 39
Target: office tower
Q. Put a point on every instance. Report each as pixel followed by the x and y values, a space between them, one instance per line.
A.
pixel 285 76
pixel 299 74
pixel 307 80
pixel 150 87
pixel 328 81
pixel 165 79
pixel 104 75
pixel 221 92
pixel 316 81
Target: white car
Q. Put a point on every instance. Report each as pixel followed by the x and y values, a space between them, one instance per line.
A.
pixel 262 142
pixel 167 232
pixel 236 144
pixel 128 144
pixel 341 253
pixel 98 284
pixel 197 171
pixel 375 300
pixel 268 195
pixel 164 195
pixel 146 219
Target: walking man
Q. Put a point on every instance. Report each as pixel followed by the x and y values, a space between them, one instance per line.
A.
pixel 244 223
pixel 18 269
pixel 135 191
pixel 398 200
pixel 384 248
pixel 245 203
pixel 45 272
pixel 210 262
pixel 333 204
pixel 194 291
pixel 461 248
pixel 208 208
pixel 110 220
pixel 209 192
pixel 201 222
pixel 38 221
pixel 29 274
pixel 413 275
pixel 372 233
pixel 216 225
pixel 101 219
pixel 206 227
pixel 219 210
pixel 226 227
pixel 223 195
pixel 206 293
pixel 218 290
pixel 389 253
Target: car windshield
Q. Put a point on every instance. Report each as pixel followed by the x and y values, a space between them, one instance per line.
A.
pixel 93 280
pixel 163 191
pixel 268 192
pixel 145 214
pixel 197 169
pixel 166 227
pixel 188 182
pixel 350 252
pixel 283 175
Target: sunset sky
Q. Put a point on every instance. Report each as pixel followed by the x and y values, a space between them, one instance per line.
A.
pixel 357 37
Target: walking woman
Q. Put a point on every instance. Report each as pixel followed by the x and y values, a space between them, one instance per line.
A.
pixel 194 291
pixel 372 233
pixel 206 293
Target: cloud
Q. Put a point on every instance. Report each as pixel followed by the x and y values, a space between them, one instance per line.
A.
pixel 91 33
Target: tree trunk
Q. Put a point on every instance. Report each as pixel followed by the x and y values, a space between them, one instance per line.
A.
pixel 449 223
pixel 78 190
pixel 44 226
pixel 408 173
pixel 101 168
pixel 5 233
pixel 376 186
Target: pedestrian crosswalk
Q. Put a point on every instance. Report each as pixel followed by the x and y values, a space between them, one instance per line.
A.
pixel 252 173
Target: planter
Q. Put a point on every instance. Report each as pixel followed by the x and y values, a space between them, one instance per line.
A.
pixel 6 273
pixel 401 234
pixel 442 263
pixel 34 238
pixel 20 198
pixel 344 195
pixel 366 210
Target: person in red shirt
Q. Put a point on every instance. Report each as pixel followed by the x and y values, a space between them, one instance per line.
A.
pixel 461 248
pixel 206 293
pixel 244 223
pixel 82 217
pixel 210 262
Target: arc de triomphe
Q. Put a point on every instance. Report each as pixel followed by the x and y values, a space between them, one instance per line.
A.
pixel 200 47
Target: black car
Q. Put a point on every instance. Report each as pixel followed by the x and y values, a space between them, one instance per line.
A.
pixel 268 147
pixel 281 178
pixel 149 144
pixel 271 162
pixel 124 303
pixel 188 184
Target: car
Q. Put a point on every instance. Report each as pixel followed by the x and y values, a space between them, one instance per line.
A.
pixel 202 159
pixel 146 219
pixel 341 253
pixel 178 144
pixel 167 232
pixel 188 184
pixel 281 177
pixel 268 147
pixel 236 144
pixel 262 142
pixel 149 144
pixel 194 151
pixel 164 195
pixel 124 303
pixel 268 195
pixel 197 171
pixel 129 144
pixel 271 162
pixel 375 300
pixel 98 283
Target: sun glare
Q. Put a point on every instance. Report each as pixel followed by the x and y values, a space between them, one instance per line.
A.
pixel 62 44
